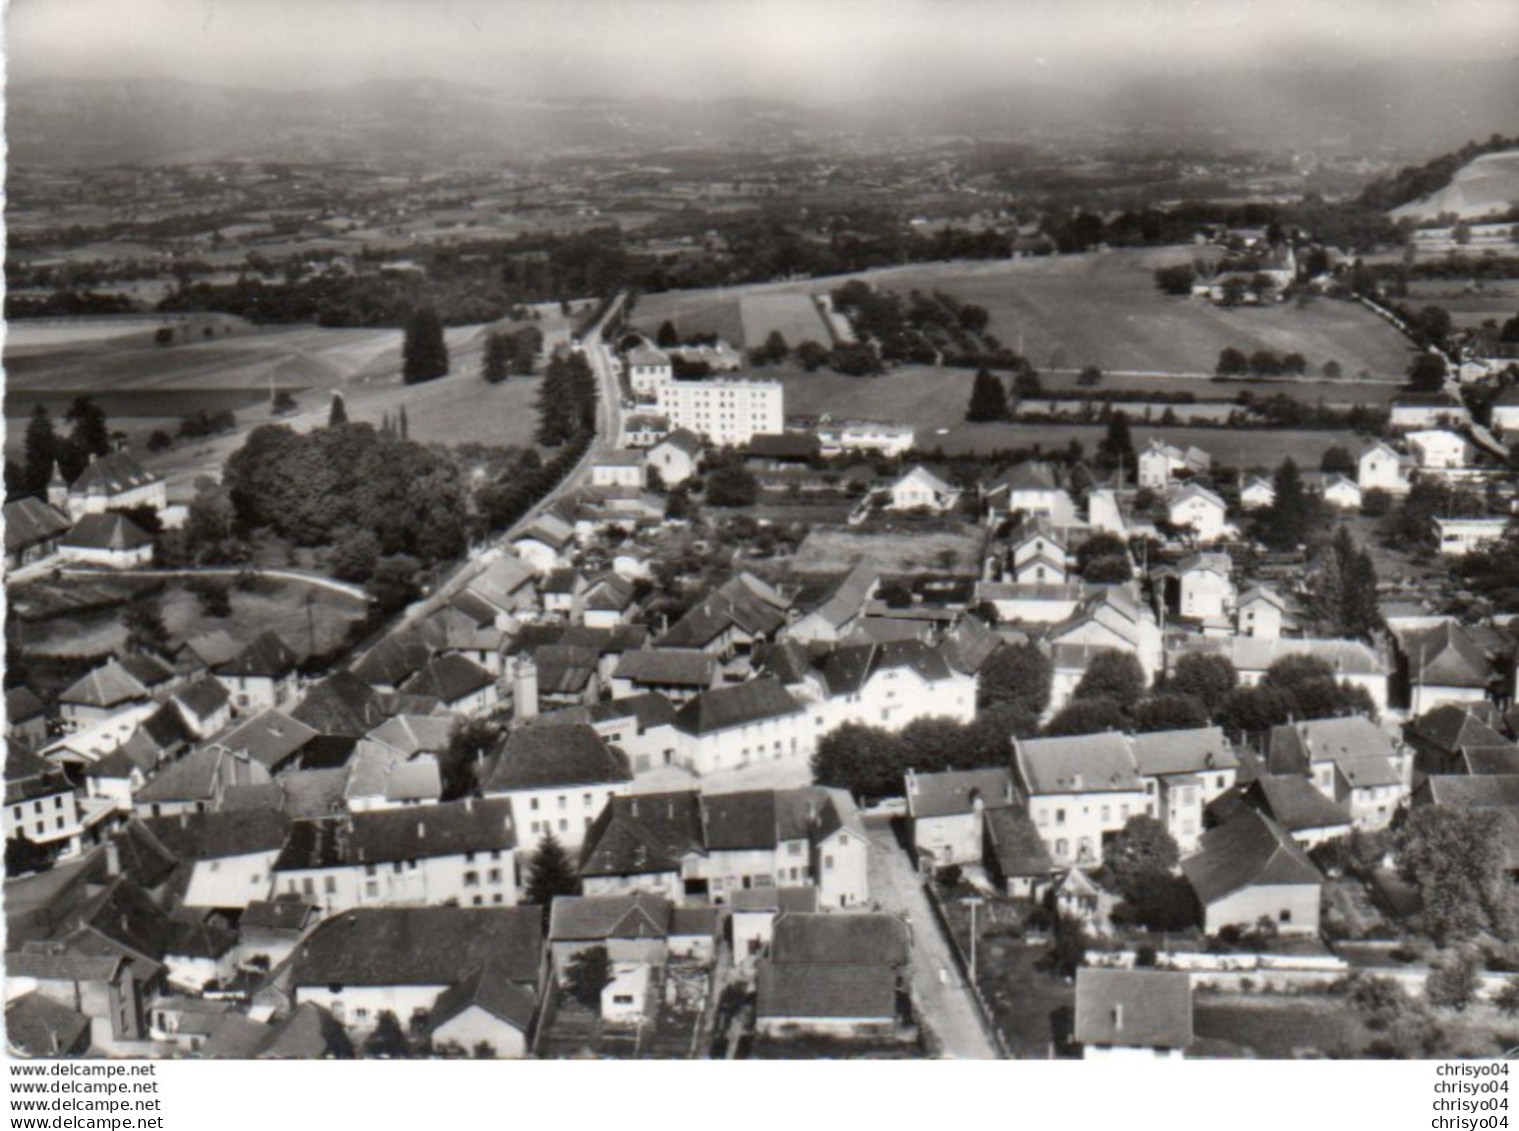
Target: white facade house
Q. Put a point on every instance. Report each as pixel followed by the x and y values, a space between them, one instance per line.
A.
pixel 1207 587
pixel 729 728
pixel 1342 493
pixel 886 439
pixel 1202 510
pixel 557 779
pixel 888 686
pixel 1133 1014
pixel 648 369
pixel 1261 612
pixel 675 456
pixel 1458 536
pixel 620 468
pixel 920 488
pixel 725 411
pixel 1382 468
pixel 1160 462
pixel 1258 494
pixel 1439 448
pixel 40 804
pixel 1080 790
pixel 115 482
pixel 457 852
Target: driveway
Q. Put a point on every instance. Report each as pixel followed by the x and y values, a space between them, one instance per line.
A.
pixel 937 987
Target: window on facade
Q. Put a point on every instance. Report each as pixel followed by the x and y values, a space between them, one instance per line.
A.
pixel 361 1014
pixel 330 885
pixel 1285 915
pixel 564 802
pixel 1107 813
pixel 471 879
pixel 60 819
pixel 1062 847
pixel 372 888
pixel 308 885
pixel 58 802
pixel 564 825
pixel 828 863
pixel 17 811
pixel 1060 816
pixel 36 806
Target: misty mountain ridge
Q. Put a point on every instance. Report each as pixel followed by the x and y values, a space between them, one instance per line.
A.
pixel 1405 108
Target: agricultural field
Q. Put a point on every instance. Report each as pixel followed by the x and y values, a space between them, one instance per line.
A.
pixel 143 386
pixel 795 317
pixel 1487 184
pixel 1067 312
pixel 1468 305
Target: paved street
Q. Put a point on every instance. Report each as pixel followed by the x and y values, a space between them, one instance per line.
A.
pixel 943 1000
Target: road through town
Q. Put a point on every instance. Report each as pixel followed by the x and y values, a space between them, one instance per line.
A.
pixel 937 988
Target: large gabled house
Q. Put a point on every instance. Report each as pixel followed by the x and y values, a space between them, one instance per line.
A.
pixel 689 846
pixel 1249 869
pixel 947 811
pixel 733 727
pixel 115 482
pixel 262 675
pixel 1444 739
pixel 557 779
pixel 838 608
pixel 228 856
pixel 1133 1013
pixel 41 805
pixel 679 674
pixel 110 540
pixel 407 960
pixel 733 618
pixel 1080 791
pixel 455 852
pixel 33 529
pixel 1349 759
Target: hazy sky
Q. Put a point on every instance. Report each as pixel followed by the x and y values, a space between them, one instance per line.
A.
pixel 699 48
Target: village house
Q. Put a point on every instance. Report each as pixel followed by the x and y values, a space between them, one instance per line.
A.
pixel 204 706
pixel 111 540
pixel 406 960
pixel 946 812
pixel 271 739
pixel 229 855
pixel 1439 448
pixel 754 913
pixel 1262 612
pixel 1207 591
pixel 679 674
pixel 1257 494
pixel 557 779
pixel 115 482
pixel 102 694
pixel 633 929
pixel 885 438
pixel 834 975
pixel 1409 411
pixel 41 806
pixel 648 369
pixel 1251 869
pixel 690 846
pixel 1039 553
pixel 455 852
pixel 920 489
pixel 25 718
pixel 505 584
pixel 1349 759
pixel 1292 801
pixel 642 430
pixel 1031 603
pixel 733 727
pixel 33 529
pixel 1013 853
pixel 1341 492
pixel 380 777
pixel 1161 462
pixel 1448 662
pixel 1447 737
pixel 545 541
pixel 1199 509
pixel 460 685
pixel 1080 790
pixel 1133 1013
pixel 675 457
pixel 839 608
pixel 618 468
pixel 1183 770
pixel 725 410
pixel 1029 488
pixel 731 619
pixel 885 685
pixel 1380 468
pixel 608 601
pixel 262 675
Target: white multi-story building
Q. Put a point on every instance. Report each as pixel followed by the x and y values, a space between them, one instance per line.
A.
pixel 725 411
pixel 1440 448
pixel 1080 790
pixel 557 778
pixel 1457 536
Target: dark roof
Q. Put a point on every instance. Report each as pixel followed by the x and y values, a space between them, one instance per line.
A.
pixel 36 1025
pixel 29 775
pixel 846 938
pixel 109 531
pixel 278 914
pixel 641 915
pixel 393 660
pixel 969 645
pixel 145 860
pixel 488 988
pixel 1295 803
pixel 531 638
pixel 271 738
pixel 1137 1008
pixel 847 668
pixel 682 438
pixel 111 474
pixel 203 697
pixel 409 832
pixel 109 685
pixel 147 670
pixel 22 705
pixel 198 940
pixel 536 757
pixel 211 648
pixel 1447 656
pixel 835 990
pixel 341 704
pixel 211 836
pixel 1487 791
pixel 784 445
pixel 123 913
pixel 191 778
pixel 643 834
pixel 450 678
pixel 738 821
pixel 1250 850
pixel 787 660
pixel 725 707
pixel 430 946
pixel 667 667
pixel 266 655
pixel 1492 760
pixel 956 791
pixel 31 521
pixel 565 669
pixel 309 1033
pixel 743 602
pixel 1016 843
pixel 1191 751
pixel 1452 726
pixel 1087 763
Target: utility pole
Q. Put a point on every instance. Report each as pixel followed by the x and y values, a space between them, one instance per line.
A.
pixel 974 901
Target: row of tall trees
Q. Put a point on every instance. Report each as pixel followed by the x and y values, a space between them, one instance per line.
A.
pixel 89 436
pixel 566 400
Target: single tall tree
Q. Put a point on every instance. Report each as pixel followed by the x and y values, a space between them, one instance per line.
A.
pixel 988 399
pixel 551 873
pixel 91 433
pixel 41 450
pixel 424 355
pixel 1117 447
pixel 495 365
pixel 338 413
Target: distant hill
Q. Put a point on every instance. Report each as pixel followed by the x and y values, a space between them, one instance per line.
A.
pixel 1485 186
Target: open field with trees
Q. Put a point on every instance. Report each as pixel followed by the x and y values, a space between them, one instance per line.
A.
pixel 1238 447
pixel 1098 308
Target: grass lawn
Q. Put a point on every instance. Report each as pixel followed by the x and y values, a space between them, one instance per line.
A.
pixel 1030 1007
pixel 1272 1027
pixel 277 605
pixel 895 548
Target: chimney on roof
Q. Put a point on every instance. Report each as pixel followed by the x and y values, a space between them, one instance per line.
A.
pixel 1118 1018
pixel 1076 782
pixel 112 858
pixel 633 806
pixel 421 830
pixel 912 782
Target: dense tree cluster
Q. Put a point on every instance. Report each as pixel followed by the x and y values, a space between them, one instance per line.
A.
pixel 566 400
pixel 336 486
pixel 510 353
pixel 1342 589
pixel 1414 182
pixel 924 329
pixel 424 355
pixel 1456 857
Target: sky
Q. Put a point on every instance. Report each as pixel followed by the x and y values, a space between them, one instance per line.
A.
pixel 829 50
